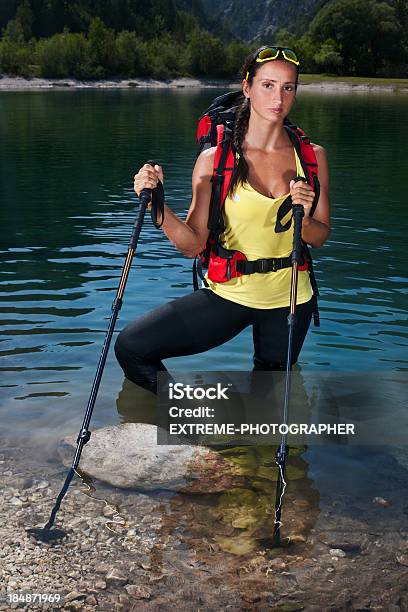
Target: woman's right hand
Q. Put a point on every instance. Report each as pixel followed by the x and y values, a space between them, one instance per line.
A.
pixel 147 178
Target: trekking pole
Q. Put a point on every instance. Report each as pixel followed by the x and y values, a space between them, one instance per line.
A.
pixel 46 533
pixel 283 449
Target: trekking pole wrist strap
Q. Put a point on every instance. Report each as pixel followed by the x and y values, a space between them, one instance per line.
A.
pixel 157 208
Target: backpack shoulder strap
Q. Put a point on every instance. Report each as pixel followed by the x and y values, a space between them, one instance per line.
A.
pixel 304 149
pixel 224 158
pixel 307 158
pixel 221 179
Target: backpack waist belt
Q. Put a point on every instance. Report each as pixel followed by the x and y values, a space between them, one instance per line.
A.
pixel 264 265
pixel 244 266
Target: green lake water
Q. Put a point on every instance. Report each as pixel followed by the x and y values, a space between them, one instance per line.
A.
pixel 67 206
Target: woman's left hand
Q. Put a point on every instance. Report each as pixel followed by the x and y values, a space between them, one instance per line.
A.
pixel 302 193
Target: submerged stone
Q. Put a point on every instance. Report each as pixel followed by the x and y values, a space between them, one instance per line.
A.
pixel 128 456
pixel 238 545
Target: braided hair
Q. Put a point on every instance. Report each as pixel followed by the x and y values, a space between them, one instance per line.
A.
pixel 241 169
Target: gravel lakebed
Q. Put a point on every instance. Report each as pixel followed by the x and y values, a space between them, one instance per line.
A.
pixel 127 550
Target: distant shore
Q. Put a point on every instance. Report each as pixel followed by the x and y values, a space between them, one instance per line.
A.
pixel 308 82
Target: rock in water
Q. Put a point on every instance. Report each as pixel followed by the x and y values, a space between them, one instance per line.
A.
pixel 380 501
pixel 128 456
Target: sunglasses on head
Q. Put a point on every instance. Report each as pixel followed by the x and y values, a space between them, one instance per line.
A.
pixel 272 53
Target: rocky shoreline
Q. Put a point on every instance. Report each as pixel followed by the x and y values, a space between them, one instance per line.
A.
pixel 8 83
pixel 132 551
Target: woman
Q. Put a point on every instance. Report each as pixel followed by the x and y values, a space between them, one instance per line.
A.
pixel 265 166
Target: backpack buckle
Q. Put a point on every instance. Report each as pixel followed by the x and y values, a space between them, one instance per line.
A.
pixel 263 265
pixel 217 177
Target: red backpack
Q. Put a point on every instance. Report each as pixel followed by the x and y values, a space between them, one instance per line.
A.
pixel 215 128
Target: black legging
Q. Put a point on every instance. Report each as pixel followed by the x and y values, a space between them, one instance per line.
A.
pixel 200 321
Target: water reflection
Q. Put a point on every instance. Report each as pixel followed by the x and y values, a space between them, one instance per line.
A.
pixel 136 405
pixel 240 517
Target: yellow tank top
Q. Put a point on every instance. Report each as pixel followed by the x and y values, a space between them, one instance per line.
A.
pixel 250 219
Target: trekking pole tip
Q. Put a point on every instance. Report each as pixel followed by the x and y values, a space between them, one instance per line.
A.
pixel 46 535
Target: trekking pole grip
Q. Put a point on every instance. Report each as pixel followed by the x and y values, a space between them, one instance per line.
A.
pixel 298 214
pixel 144 201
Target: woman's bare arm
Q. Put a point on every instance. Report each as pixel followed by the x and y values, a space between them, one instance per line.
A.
pixel 189 236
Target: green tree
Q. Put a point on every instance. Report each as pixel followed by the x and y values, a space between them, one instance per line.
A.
pixel 185 24
pixel 207 54
pixel 131 54
pixel 328 58
pixel 368 33
pixel 235 53
pixel 165 58
pixel 399 67
pixel 101 48
pixel 14 56
pixel 24 15
pixel 307 50
pixel 285 38
pixel 166 10
pixel 62 55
